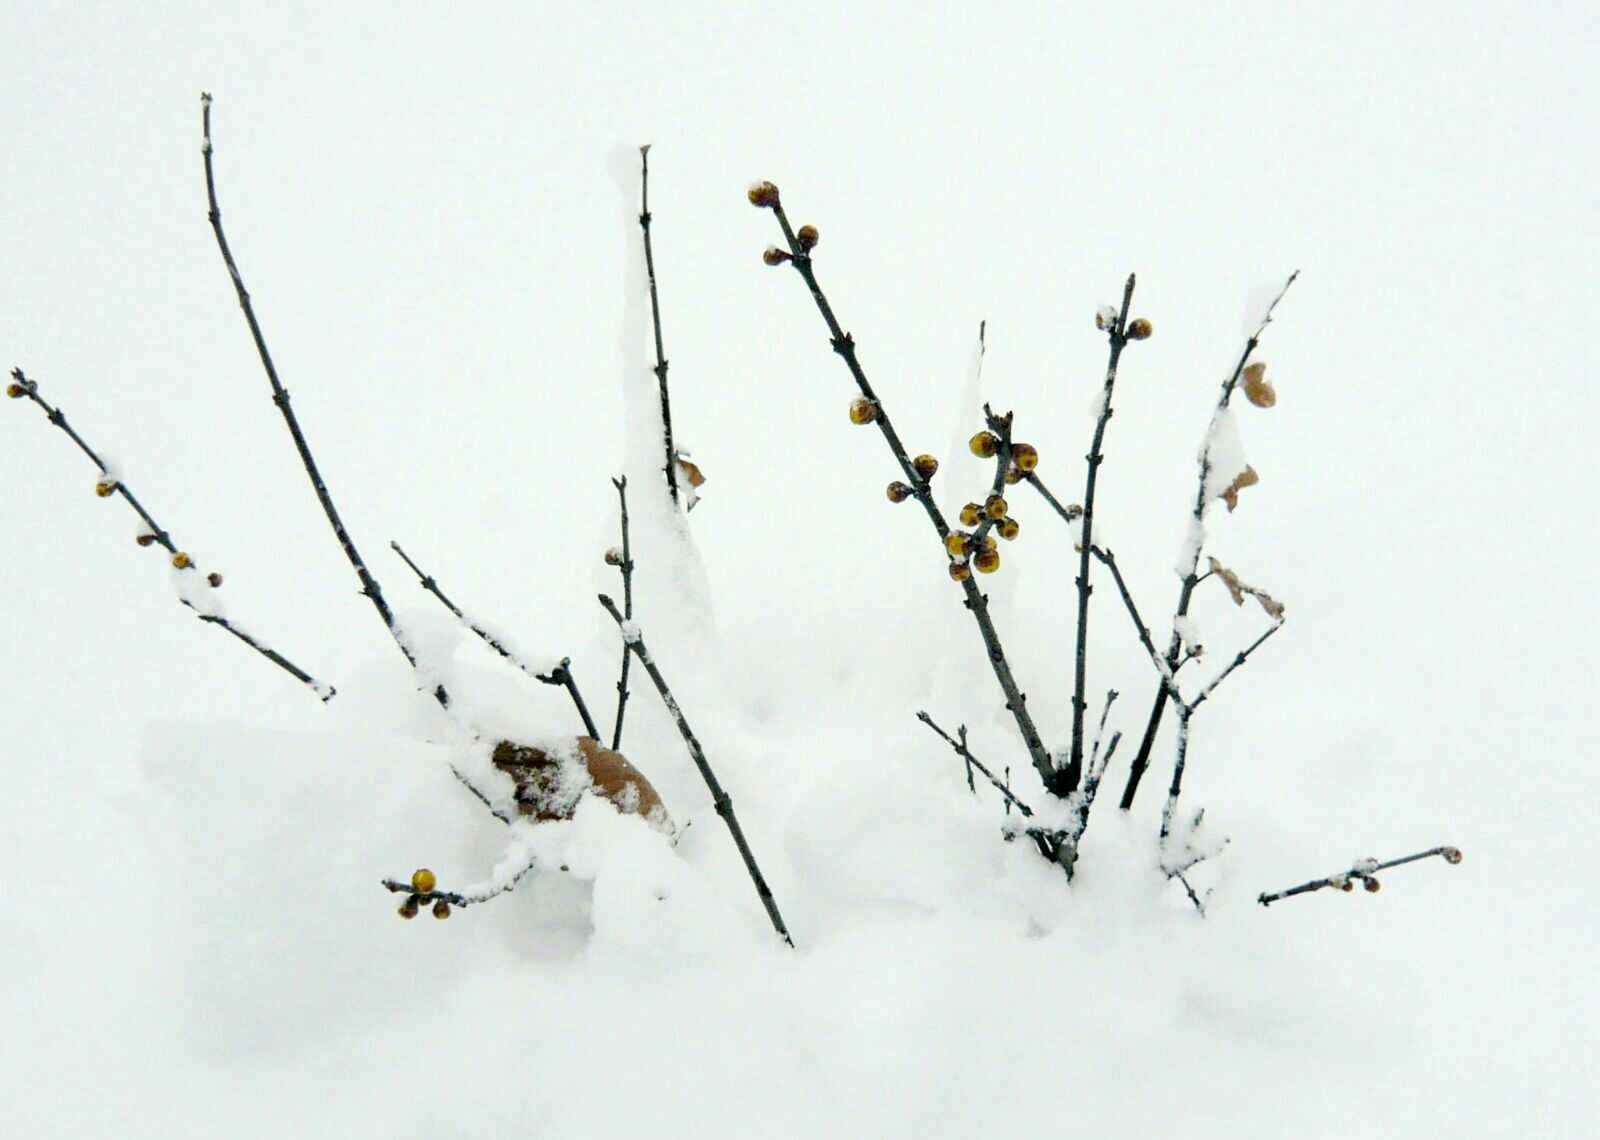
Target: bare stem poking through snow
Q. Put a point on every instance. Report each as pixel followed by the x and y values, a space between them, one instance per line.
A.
pixel 655 318
pixel 155 534
pixel 976 603
pixel 280 397
pixel 1192 549
pixel 633 641
pixel 626 567
pixel 1117 334
pixel 1364 871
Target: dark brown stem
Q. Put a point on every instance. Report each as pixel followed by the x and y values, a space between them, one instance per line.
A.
pixel 560 675
pixel 1117 334
pixel 655 317
pixel 976 602
pixel 160 536
pixel 280 397
pixel 1190 578
pixel 1363 871
pixel 634 642
pixel 621 484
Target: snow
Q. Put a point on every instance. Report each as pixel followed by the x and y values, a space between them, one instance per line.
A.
pixel 196 941
pixel 1222 453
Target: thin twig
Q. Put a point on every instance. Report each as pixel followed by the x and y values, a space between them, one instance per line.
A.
pixel 655 318
pixel 1364 870
pixel 1069 514
pixel 634 641
pixel 1238 660
pixel 159 535
pixel 1190 579
pixel 973 762
pixel 626 567
pixel 280 397
pixel 976 602
pixel 1110 560
pixel 560 675
pixel 1118 336
pixel 470 897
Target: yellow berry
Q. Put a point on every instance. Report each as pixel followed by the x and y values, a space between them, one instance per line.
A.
pixel 105 488
pixel 763 194
pixel 925 466
pixel 1009 528
pixel 995 507
pixel 862 410
pixel 988 561
pixel 985 445
pixel 441 909
pixel 423 880
pixel 408 909
pixel 16 391
pixel 1140 329
pixel 1025 456
pixel 899 492
pixel 182 561
pixel 989 543
pixel 957 543
pixel 960 571
pixel 806 236
pixel 1013 474
pixel 971 514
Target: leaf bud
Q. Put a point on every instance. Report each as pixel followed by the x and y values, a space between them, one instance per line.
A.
pixel 862 410
pixel 1140 329
pixel 423 880
pixel 441 909
pixel 806 237
pixel 899 492
pixel 213 579
pixel 1372 885
pixel 985 445
pixel 1025 456
pixel 613 556
pixel 957 543
pixel 1009 528
pixel 925 466
pixel 960 571
pixel 1451 855
pixel 763 195
pixel 145 538
pixel 772 255
pixel 971 514
pixel 987 561
pixel 408 909
pixel 995 507
pixel 182 561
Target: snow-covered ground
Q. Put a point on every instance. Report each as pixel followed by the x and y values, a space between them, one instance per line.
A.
pixel 428 214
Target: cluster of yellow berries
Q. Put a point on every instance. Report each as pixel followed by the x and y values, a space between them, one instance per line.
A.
pixel 422 882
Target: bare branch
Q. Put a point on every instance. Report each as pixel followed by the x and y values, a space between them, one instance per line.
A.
pixel 280 397
pixel 1117 334
pixel 1364 871
pixel 655 318
pixel 157 535
pixel 1190 578
pixel 626 567
pixel 634 641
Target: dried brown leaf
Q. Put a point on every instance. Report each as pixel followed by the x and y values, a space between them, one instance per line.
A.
pixel 1257 388
pixel 1238 589
pixel 1245 478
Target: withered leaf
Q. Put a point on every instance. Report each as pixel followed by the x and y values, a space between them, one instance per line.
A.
pixel 1245 478
pixel 1238 589
pixel 1257 388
